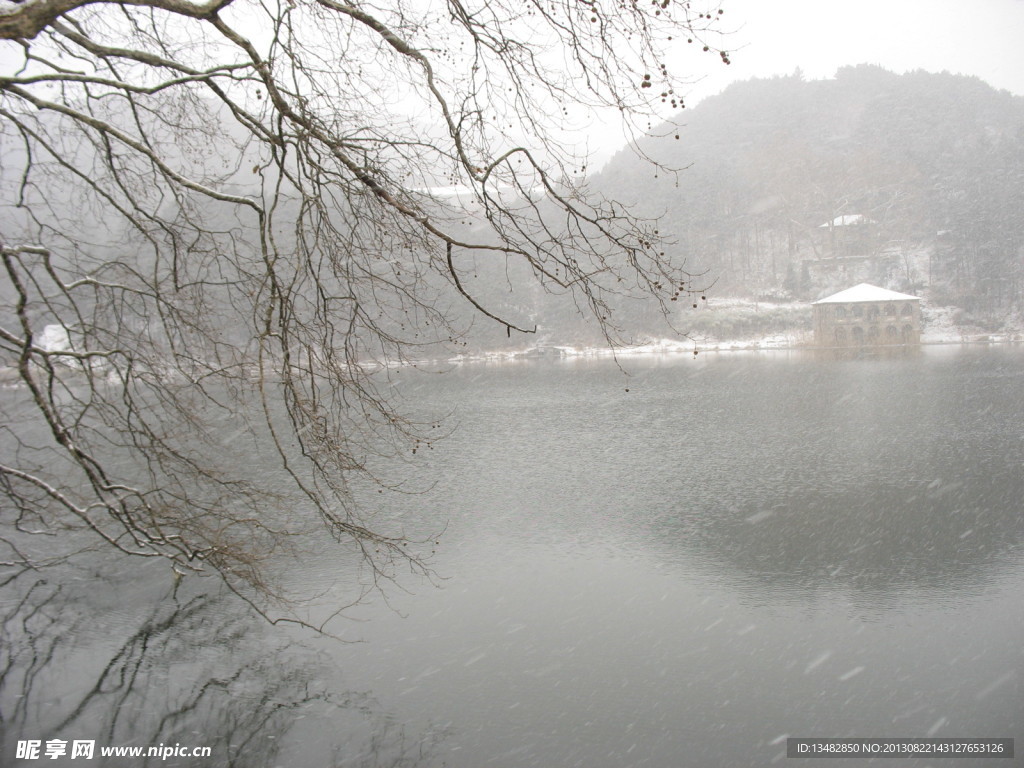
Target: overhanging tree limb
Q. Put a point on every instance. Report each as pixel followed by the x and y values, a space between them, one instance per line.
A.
pixel 225 223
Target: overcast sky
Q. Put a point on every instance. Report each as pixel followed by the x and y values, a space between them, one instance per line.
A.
pixel 972 37
pixel 773 37
pixel 984 38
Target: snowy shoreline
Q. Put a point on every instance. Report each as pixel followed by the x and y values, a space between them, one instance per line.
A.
pixel 689 347
pixel 940 329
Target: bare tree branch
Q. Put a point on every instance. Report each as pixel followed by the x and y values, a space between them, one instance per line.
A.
pixel 221 228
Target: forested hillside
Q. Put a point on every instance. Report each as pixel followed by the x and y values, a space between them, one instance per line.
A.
pixel 790 189
pixel 785 190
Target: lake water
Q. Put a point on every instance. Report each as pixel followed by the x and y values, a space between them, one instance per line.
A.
pixel 677 567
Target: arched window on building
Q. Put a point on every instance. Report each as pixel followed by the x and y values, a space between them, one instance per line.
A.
pixel 892 334
pixel 841 337
pixel 858 335
pixel 909 334
pixel 907 310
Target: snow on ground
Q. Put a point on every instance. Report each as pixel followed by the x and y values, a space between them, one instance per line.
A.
pixel 943 325
pixel 719 325
pixel 711 325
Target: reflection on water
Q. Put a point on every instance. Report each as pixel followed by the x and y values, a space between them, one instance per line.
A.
pixel 879 540
pixel 877 474
pixel 737 548
pixel 80 662
pixel 871 477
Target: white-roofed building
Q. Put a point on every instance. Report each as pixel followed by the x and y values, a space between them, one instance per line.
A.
pixel 846 220
pixel 867 315
pixel 851 234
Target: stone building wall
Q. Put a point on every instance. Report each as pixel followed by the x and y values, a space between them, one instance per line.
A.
pixel 867 323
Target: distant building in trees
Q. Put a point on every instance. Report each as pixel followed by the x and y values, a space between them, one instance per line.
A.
pixel 849 235
pixel 867 315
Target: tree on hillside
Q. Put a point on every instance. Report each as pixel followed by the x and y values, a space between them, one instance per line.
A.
pixel 222 221
pixel 931 163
